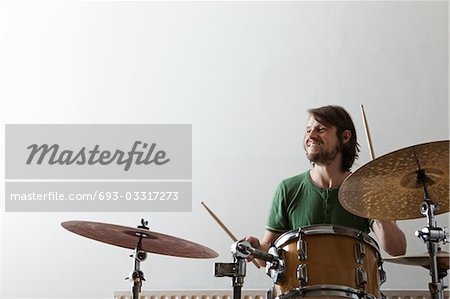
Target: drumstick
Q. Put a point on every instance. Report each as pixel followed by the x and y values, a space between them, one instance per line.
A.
pixel 229 233
pixel 369 140
pixel 366 128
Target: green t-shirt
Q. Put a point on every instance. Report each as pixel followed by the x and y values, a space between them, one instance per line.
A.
pixel 299 203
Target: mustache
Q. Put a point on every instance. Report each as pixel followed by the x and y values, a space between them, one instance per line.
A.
pixel 317 139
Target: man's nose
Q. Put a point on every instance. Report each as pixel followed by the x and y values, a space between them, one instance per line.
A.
pixel 312 133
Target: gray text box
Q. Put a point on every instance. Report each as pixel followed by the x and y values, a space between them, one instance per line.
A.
pixel 104 151
pixel 98 197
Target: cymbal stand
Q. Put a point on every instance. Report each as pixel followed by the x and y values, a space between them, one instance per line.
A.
pixel 432 236
pixel 137 276
pixel 236 270
pixel 241 250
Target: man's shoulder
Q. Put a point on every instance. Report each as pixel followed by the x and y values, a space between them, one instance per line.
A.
pixel 295 180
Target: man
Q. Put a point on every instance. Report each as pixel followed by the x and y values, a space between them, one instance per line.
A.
pixel 312 197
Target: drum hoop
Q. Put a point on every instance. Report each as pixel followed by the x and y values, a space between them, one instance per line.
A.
pixel 333 289
pixel 325 230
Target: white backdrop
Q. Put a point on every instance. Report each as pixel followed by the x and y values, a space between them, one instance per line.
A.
pixel 243 74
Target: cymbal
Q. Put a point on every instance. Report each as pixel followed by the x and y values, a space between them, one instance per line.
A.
pixel 422 260
pixel 387 187
pixel 128 237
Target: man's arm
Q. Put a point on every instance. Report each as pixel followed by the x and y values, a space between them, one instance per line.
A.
pixel 390 237
pixel 268 239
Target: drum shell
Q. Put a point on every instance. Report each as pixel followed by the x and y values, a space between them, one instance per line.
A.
pixel 331 259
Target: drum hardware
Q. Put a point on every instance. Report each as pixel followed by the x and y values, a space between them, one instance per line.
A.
pixel 236 270
pixel 137 276
pixel 361 278
pixel 242 250
pixel 302 249
pixel 302 274
pixel 294 293
pixel 360 252
pixel 431 234
pixel 276 269
pixel 326 291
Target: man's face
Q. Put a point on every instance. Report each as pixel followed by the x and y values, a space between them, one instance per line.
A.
pixel 321 142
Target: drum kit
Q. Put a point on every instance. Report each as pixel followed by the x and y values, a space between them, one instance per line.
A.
pixel 334 261
pixel 324 260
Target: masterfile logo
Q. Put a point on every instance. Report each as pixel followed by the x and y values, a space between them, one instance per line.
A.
pixel 68 151
pixel 67 157
pixel 117 168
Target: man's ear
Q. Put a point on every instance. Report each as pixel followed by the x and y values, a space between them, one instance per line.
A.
pixel 346 135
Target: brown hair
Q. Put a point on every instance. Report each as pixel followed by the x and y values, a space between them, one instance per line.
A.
pixel 339 117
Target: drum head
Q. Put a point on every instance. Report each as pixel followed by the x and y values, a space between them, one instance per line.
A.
pixel 325 229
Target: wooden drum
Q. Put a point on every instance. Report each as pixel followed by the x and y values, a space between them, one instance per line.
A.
pixel 327 261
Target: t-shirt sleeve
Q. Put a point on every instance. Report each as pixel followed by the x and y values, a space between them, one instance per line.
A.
pixel 370 221
pixel 277 220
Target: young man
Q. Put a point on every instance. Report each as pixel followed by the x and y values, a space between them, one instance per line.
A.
pixel 312 197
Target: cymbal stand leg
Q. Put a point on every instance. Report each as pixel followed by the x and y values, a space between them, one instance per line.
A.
pixel 432 236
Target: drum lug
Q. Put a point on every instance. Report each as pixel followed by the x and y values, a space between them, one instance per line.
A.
pixel 302 274
pixel 360 252
pixel 275 269
pixel 302 250
pixel 361 278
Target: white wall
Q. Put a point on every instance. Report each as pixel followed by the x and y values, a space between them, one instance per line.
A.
pixel 243 75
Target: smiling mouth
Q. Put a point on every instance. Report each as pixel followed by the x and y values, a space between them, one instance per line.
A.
pixel 313 144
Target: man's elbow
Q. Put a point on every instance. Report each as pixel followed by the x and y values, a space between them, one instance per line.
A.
pixel 396 249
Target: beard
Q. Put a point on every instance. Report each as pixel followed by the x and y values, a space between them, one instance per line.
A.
pixel 324 157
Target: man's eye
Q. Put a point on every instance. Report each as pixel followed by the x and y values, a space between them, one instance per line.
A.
pixel 321 130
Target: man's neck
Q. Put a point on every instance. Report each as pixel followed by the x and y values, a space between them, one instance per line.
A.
pixel 328 176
